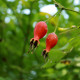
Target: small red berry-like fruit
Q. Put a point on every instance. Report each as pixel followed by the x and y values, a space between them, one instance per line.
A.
pixel 51 41
pixel 39 32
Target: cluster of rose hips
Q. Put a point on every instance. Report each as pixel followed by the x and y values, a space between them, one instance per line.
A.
pixel 40 31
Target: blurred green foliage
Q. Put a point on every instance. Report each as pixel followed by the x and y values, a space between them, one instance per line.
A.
pixel 16 30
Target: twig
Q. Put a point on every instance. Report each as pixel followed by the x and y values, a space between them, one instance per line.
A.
pixel 71 10
pixel 63 8
pixel 68 30
pixel 58 21
pixel 51 17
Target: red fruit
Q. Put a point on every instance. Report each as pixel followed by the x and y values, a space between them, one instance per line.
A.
pixel 51 41
pixel 39 31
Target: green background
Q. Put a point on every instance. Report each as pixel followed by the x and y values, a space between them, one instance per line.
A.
pixel 15 35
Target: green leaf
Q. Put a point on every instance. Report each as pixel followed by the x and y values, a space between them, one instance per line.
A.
pixel 54 57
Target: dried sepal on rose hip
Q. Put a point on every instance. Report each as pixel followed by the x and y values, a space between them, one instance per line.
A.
pixel 40 31
pixel 51 41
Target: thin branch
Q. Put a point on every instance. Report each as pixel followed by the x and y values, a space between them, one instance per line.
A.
pixel 63 8
pixel 68 30
pixel 58 21
pixel 51 17
pixel 71 10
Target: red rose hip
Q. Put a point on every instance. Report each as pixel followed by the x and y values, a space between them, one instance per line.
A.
pixel 40 31
pixel 51 41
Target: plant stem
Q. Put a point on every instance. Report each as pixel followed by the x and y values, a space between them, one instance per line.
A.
pixel 62 7
pixel 68 30
pixel 71 10
pixel 57 21
pixel 51 17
